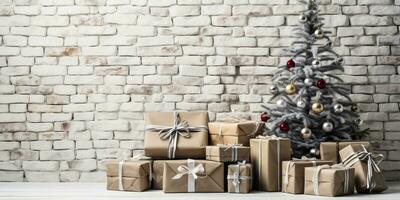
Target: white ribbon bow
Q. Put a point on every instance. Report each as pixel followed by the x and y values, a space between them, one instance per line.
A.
pixel 191 171
pixel 315 178
pixel 120 170
pixel 236 177
pixel 171 133
pixel 373 161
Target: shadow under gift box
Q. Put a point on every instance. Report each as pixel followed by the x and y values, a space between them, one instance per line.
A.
pixel 135 175
pixel 211 180
pixel 186 147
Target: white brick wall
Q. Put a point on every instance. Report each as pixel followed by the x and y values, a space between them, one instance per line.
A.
pixel 77 75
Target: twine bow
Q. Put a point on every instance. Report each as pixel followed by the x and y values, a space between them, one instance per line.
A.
pixel 171 133
pixel 191 171
pixel 236 177
pixel 373 161
pixel 134 158
pixel 346 182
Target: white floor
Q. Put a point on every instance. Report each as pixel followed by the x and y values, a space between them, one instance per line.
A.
pixel 97 191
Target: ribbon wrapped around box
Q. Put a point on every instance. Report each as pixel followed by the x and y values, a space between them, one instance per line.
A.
pixel 330 150
pixel 228 153
pixel 325 180
pixel 368 176
pixel 193 176
pixel 240 177
pixel 176 134
pixel 129 175
pixel 233 131
pixel 266 154
pixel 293 174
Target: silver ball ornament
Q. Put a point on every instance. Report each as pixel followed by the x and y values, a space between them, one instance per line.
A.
pixel 273 89
pixel 327 127
pixel 306 132
pixel 359 122
pixel 308 82
pixel 301 104
pixel 316 63
pixel 319 33
pixel 302 18
pixel 338 108
pixel 314 151
pixel 281 103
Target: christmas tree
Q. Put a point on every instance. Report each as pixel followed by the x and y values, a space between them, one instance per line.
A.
pixel 311 105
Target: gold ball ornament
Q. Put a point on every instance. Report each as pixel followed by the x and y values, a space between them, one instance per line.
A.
pixel 317 107
pixel 306 133
pixel 290 89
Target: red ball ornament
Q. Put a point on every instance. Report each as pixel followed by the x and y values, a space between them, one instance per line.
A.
pixel 264 117
pixel 321 83
pixel 290 63
pixel 284 127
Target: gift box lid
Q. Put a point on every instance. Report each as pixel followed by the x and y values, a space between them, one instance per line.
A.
pixel 132 169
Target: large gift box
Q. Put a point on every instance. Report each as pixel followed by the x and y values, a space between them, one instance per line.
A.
pixel 240 178
pixel 193 176
pixel 328 180
pixel 267 153
pixel 176 134
pixel 228 153
pixel 293 174
pixel 234 131
pixel 330 150
pixel 128 175
pixel 158 171
pixel 368 175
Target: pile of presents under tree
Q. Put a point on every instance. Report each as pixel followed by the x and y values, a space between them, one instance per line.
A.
pixel 186 153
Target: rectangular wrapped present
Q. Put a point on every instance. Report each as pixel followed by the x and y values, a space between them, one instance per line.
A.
pixel 368 175
pixel 228 153
pixel 293 174
pixel 328 180
pixel 193 176
pixel 158 171
pixel 129 175
pixel 176 134
pixel 330 150
pixel 240 178
pixel 234 131
pixel 266 154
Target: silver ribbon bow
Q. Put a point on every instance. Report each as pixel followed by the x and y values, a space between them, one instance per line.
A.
pixel 373 161
pixel 236 177
pixel 315 178
pixel 191 171
pixel 171 133
pixel 120 170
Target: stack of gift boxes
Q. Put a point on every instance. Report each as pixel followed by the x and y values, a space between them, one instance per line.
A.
pixel 186 153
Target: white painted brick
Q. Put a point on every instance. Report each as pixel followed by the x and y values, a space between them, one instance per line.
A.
pixel 266 21
pixel 72 10
pixel 13 40
pixel 192 21
pixel 14 176
pixel 229 21
pixel 15 20
pixel 99 51
pixel 97 30
pixel 144 20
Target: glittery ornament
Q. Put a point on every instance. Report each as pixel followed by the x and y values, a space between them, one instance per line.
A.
pixel 290 89
pixel 338 108
pixel 317 107
pixel 290 63
pixel 306 133
pixel 281 103
pixel 308 82
pixel 301 104
pixel 327 127
pixel 319 33
pixel 264 117
pixel 284 127
pixel 321 84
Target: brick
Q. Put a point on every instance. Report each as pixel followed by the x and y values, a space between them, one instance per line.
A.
pixel 105 125
pixel 234 42
pixel 229 21
pixel 192 21
pixel 384 10
pixel 367 20
pixel 266 21
pixel 34 176
pixel 57 155
pixel 40 165
pixel 12 176
pixel 14 20
pixel 154 21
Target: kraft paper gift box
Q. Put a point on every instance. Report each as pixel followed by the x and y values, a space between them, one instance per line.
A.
pixel 158 171
pixel 234 131
pixel 228 153
pixel 330 150
pixel 240 178
pixel 176 134
pixel 369 177
pixel 293 174
pixel 193 176
pixel 128 175
pixel 266 155
pixel 329 181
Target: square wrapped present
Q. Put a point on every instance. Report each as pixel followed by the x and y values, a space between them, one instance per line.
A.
pixel 193 176
pixel 234 131
pixel 176 134
pixel 240 178
pixel 129 175
pixel 228 153
pixel 158 171
pixel 293 174
pixel 328 180
pixel 330 150
pixel 266 155
pixel 369 177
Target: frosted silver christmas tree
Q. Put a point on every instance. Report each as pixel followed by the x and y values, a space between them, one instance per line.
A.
pixel 311 105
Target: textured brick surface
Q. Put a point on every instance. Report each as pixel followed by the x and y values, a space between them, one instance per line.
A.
pixel 76 76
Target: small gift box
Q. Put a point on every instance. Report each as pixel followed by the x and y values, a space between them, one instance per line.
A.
pixel 293 174
pixel 266 154
pixel 176 134
pixel 328 180
pixel 228 153
pixel 129 175
pixel 368 175
pixel 158 170
pixel 330 150
pixel 193 176
pixel 240 178
pixel 234 131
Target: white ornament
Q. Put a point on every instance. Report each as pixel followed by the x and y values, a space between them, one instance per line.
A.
pixel 273 89
pixel 338 108
pixel 301 104
pixel 302 18
pixel 281 103
pixel 327 126
pixel 316 63
pixel 308 82
pixel 314 151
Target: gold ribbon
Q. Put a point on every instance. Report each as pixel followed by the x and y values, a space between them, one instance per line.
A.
pixel 236 177
pixel 172 133
pixel 346 182
pixel 373 161
pixel 191 171
pixel 134 158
